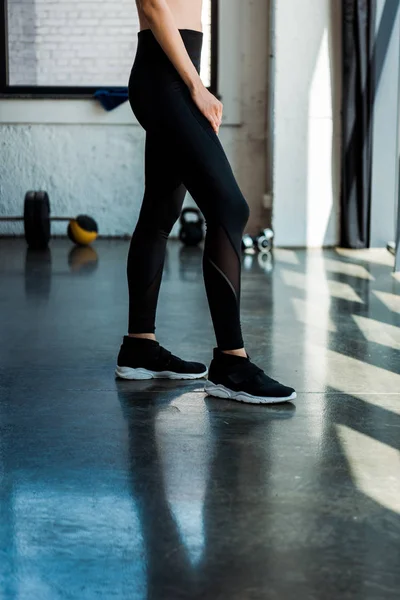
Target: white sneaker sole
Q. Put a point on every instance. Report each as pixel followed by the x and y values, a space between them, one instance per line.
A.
pixel 129 373
pixel 220 391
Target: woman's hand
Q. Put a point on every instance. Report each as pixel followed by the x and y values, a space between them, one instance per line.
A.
pixel 209 105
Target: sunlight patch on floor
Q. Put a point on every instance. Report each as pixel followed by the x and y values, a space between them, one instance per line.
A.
pixel 350 269
pixel 377 256
pixel 374 466
pixel 378 332
pixel 313 314
pixel 335 289
pixel 374 385
pixel 391 301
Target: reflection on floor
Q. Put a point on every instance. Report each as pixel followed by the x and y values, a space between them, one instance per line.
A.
pixel 144 490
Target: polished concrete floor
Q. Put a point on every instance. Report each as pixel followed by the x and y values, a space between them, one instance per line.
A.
pixel 150 490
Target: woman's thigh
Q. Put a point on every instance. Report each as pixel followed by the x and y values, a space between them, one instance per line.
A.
pixel 201 160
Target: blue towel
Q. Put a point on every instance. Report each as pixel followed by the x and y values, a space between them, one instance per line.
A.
pixel 111 98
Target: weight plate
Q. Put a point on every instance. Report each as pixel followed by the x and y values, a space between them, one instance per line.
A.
pixel 30 196
pixel 37 220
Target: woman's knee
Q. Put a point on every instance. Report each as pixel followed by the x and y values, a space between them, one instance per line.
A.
pixel 231 211
pixel 238 212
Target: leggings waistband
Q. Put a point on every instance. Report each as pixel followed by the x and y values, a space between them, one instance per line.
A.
pixel 185 33
pixel 192 39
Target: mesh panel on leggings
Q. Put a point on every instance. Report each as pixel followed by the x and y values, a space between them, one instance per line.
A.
pixel 221 253
pixel 222 280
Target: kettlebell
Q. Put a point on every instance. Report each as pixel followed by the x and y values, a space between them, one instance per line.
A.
pixel 191 232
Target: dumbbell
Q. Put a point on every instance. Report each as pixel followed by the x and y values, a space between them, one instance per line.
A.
pixel 248 243
pixel 82 230
pixel 262 242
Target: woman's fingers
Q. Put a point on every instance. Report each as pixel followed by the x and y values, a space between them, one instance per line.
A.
pixel 216 119
pixel 216 124
pixel 209 105
pixel 220 113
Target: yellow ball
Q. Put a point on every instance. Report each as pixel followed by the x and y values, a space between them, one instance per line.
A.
pixel 83 230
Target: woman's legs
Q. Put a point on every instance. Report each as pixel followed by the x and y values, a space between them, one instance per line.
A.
pixel 162 203
pixel 207 175
pixel 183 151
pixel 191 155
pixel 181 146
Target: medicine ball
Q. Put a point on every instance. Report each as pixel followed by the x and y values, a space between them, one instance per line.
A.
pixel 83 230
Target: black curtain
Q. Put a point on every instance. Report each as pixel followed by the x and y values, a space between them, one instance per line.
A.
pixel 358 22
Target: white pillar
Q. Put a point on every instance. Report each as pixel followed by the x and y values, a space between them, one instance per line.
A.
pixel 306 131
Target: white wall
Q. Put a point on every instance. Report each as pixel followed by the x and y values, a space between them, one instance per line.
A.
pixel 91 161
pixel 93 169
pixel 306 131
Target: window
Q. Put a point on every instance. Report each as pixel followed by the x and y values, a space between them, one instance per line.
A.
pixel 74 47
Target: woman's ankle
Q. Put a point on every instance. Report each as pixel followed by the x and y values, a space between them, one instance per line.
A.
pixel 239 352
pixel 146 336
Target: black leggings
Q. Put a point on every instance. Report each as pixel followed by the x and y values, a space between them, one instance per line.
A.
pixel 182 153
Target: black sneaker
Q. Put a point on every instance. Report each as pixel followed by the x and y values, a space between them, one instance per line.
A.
pixel 237 378
pixel 140 358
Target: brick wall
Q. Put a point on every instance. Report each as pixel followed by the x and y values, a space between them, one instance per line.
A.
pixel 73 42
pixel 21 42
pixel 76 42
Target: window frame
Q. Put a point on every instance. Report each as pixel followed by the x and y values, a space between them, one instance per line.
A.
pixel 82 92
